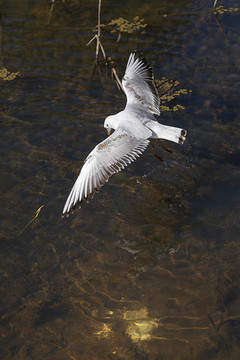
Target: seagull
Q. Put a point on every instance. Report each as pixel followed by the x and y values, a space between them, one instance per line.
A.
pixel 133 126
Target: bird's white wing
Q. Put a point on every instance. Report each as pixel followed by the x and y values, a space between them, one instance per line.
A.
pixel 138 84
pixel 107 158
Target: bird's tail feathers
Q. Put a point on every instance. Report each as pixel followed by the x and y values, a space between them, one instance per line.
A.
pixel 170 133
pixel 174 134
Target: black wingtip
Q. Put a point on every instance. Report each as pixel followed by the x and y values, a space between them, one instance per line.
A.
pixel 139 55
pixel 66 214
pixel 182 137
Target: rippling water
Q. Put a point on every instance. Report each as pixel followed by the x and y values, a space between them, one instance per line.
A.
pixel 149 269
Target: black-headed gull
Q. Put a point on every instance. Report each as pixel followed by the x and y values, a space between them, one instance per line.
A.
pixel 133 127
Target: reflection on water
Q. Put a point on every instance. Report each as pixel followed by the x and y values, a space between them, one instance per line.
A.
pixel 140 326
pixel 149 269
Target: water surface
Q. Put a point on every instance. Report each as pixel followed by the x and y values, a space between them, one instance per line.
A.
pixel 149 269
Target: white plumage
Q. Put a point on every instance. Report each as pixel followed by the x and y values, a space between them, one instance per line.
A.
pixel 133 127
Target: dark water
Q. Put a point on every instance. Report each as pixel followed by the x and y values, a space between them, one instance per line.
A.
pixel 149 269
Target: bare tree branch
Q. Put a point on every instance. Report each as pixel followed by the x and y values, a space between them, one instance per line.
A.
pixel 98 36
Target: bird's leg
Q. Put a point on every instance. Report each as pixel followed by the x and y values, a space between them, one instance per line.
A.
pixel 154 152
pixel 163 146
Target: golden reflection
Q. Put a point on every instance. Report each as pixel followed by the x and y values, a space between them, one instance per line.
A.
pixel 140 325
pixel 105 331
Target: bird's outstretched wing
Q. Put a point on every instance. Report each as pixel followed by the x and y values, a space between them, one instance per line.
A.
pixel 138 84
pixel 107 158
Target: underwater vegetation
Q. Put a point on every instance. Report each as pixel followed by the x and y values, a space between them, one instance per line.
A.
pixel 222 10
pixel 169 90
pixel 6 75
pixel 122 25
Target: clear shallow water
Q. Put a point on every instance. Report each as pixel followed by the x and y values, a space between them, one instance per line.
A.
pixel 149 269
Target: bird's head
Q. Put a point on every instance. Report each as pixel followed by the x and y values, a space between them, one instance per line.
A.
pixel 110 123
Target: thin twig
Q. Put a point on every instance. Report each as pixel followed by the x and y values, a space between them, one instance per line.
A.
pixel 168 90
pixel 35 217
pixel 212 322
pixel 220 25
pixel 98 36
pixel 95 36
pixel 117 80
pixel 164 147
pixel 154 152
pixel 215 4
pixel 1 65
pixel 50 12
pixel 103 51
pixel 99 29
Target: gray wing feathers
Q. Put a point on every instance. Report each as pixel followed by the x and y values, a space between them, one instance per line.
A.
pixel 138 83
pixel 106 159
